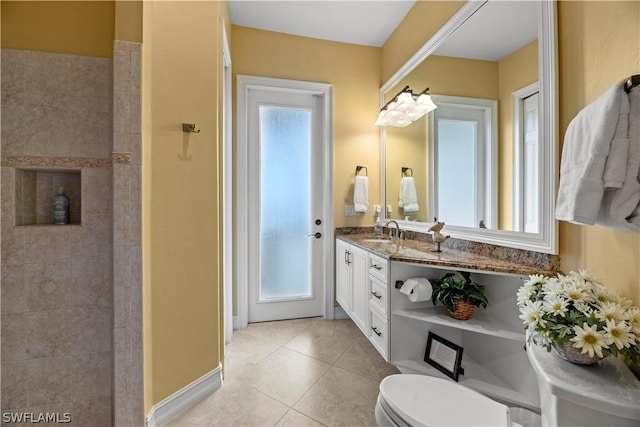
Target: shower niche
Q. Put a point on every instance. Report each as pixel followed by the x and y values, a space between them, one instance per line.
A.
pixel 34 192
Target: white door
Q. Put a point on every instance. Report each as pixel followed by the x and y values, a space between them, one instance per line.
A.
pixel 531 164
pixel 285 187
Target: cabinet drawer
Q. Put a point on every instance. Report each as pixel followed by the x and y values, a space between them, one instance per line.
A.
pixel 379 296
pixel 378 267
pixel 379 333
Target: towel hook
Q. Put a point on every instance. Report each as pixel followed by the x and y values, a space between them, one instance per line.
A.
pixel 190 128
pixel 632 82
pixel 405 169
pixel 359 168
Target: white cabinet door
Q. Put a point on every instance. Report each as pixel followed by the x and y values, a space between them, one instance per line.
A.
pixel 343 275
pixel 359 288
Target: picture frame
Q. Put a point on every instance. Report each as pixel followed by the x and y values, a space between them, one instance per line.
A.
pixel 444 355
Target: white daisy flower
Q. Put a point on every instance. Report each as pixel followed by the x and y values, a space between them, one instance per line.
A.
pixel 588 339
pixel 553 288
pixel 524 294
pixel 576 292
pixel 633 317
pixel 556 305
pixel 532 314
pixel 535 279
pixel 610 311
pixel 583 307
pixel 618 334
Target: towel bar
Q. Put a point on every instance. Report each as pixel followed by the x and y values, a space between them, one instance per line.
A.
pixel 359 168
pixel 632 82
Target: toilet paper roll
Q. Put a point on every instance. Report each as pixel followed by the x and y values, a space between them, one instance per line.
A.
pixel 417 289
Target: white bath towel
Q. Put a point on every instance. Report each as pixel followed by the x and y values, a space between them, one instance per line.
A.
pixel 361 193
pixel 621 206
pixel 408 200
pixel 587 144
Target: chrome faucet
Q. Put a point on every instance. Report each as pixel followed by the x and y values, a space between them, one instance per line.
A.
pixel 398 232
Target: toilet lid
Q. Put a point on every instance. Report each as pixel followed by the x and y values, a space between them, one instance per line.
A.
pixel 422 400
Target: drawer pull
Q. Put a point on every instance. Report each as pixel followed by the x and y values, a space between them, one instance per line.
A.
pixel 375 331
pixel 377 267
pixel 375 294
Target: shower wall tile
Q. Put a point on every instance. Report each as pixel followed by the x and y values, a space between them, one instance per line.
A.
pixel 48 286
pixel 136 149
pixel 14 385
pixel 47 78
pixel 13 337
pixel 57 281
pixel 50 381
pixel 48 131
pixel 13 290
pixel 47 245
pixel 96 413
pixel 92 369
pixel 89 241
pixel 121 142
pixel 13 129
pixel 122 309
pixel 89 133
pixel 49 333
pixel 121 112
pixel 92 330
pixel 91 84
pixel 95 183
pixel 91 284
pixel 12 242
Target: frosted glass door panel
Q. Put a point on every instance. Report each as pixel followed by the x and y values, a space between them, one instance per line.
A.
pixel 285 203
pixel 456 172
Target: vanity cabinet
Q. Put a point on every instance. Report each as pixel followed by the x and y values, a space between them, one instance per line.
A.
pixel 351 282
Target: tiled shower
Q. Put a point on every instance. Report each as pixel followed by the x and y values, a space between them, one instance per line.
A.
pixel 71 323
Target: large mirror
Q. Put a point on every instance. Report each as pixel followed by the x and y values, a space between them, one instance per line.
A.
pixel 484 161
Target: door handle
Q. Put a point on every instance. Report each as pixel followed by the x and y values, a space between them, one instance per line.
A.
pixel 375 331
pixel 316 235
pixel 377 295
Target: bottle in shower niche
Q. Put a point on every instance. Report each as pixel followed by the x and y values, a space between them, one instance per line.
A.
pixel 61 208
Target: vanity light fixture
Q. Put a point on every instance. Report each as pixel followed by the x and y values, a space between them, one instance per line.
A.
pixel 405 108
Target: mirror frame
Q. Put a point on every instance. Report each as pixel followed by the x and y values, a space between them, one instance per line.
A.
pixel 546 240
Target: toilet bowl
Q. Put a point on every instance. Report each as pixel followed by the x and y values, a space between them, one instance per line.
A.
pixel 420 400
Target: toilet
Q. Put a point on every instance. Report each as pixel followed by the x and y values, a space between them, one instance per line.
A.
pixel 571 395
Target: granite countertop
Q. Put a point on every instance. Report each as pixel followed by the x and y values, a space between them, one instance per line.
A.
pixel 420 252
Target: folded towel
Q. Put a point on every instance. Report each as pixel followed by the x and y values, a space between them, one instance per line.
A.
pixel 587 144
pixel 361 193
pixel 621 206
pixel 408 195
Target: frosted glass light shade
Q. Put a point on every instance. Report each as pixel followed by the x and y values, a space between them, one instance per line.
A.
pixel 405 109
pixel 426 101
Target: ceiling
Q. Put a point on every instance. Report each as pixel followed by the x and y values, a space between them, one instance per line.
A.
pixel 363 22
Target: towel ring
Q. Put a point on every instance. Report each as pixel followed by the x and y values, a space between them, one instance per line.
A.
pixel 405 169
pixel 359 168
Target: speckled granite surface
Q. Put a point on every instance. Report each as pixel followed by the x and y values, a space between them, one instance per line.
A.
pixel 456 253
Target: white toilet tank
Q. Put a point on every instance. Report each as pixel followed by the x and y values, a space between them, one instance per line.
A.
pixel 604 394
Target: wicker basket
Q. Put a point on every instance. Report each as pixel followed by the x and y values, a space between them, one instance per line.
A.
pixel 463 311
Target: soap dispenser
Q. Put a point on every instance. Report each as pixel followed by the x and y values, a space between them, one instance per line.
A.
pixel 61 208
pixel 377 229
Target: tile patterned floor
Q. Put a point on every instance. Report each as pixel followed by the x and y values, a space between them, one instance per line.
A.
pixel 304 372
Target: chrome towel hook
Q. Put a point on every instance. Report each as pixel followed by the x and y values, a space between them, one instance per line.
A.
pixel 190 128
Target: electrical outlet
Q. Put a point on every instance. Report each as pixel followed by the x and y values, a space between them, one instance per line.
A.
pixel 350 210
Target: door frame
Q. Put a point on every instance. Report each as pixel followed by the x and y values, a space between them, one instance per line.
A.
pixel 325 91
pixel 227 189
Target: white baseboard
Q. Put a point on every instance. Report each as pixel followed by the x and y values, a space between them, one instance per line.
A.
pixel 184 399
pixel 339 313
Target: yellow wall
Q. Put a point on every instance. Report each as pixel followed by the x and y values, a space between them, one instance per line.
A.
pixel 599 44
pixel 128 16
pixel 354 73
pixel 514 72
pixel 423 20
pixel 75 27
pixel 181 83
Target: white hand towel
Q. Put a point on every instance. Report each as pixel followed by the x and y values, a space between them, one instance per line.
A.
pixel 621 206
pixel 587 144
pixel 361 193
pixel 408 195
pixel 417 289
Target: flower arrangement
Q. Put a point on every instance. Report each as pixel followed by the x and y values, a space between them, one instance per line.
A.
pixel 576 310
